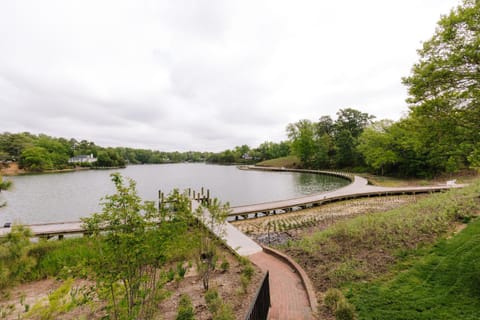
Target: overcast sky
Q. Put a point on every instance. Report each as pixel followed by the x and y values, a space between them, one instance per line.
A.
pixel 203 75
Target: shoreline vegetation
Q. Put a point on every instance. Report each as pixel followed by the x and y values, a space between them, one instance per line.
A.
pixel 13 170
pixel 98 277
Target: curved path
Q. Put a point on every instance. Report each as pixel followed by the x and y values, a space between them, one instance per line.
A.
pixel 289 299
pixel 357 189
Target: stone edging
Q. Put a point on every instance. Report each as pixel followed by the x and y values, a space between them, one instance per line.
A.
pixel 307 284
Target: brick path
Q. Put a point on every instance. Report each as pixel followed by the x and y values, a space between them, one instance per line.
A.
pixel 288 297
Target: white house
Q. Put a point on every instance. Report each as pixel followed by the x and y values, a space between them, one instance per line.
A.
pixel 83 158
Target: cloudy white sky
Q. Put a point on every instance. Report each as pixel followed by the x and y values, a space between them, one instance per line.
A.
pixel 203 75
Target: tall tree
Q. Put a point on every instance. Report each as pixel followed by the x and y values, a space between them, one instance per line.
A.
pixel 444 90
pixel 302 136
pixel 348 127
pixel 377 146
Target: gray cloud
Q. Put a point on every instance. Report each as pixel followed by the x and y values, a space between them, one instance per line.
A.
pixel 190 75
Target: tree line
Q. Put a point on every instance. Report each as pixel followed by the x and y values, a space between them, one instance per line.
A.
pixel 42 152
pixel 441 133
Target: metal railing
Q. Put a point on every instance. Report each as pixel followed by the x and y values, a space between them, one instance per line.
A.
pixel 261 304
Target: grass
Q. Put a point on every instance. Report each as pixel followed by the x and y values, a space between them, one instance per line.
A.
pixel 63 259
pixel 365 248
pixel 443 284
pixel 286 162
pixel 359 254
pixel 467 176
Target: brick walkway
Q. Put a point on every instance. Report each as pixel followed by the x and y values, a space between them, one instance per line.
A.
pixel 288 297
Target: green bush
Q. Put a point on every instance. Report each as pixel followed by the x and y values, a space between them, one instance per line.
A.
pixel 185 308
pixel 344 310
pixel 338 305
pixel 332 297
pixel 225 313
pixel 248 271
pixel 181 270
pixel 224 266
pixel 216 306
pixel 213 301
pixel 15 264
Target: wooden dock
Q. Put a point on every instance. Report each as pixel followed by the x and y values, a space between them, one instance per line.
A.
pixel 359 188
pixel 50 230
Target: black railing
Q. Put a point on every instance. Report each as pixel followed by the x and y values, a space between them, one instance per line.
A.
pixel 259 308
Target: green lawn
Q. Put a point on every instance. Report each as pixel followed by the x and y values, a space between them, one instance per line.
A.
pixel 442 284
pixel 287 162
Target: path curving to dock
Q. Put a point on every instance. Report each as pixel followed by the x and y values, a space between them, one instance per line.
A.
pixel 357 189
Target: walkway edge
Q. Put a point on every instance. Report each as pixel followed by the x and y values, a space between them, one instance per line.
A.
pixel 306 282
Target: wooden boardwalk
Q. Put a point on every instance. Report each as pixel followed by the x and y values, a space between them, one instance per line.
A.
pixel 359 188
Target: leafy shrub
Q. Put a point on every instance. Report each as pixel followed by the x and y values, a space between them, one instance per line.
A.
pixel 181 270
pixel 213 301
pixel 225 313
pixel 15 264
pixel 224 266
pixel 170 275
pixel 248 271
pixel 185 308
pixel 344 310
pixel 332 296
pixel 216 306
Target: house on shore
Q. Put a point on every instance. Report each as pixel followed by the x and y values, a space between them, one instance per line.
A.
pixel 83 158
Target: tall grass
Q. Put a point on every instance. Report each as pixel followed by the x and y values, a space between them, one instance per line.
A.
pixel 66 258
pixel 364 246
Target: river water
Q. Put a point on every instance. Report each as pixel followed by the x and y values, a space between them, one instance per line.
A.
pixel 69 196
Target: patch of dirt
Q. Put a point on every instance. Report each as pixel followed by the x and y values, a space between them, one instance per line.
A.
pixel 226 283
pixel 10 169
pixel 16 301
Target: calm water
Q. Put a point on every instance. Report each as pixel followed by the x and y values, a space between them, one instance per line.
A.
pixel 69 196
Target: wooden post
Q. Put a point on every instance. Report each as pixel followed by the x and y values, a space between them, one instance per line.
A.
pixel 160 200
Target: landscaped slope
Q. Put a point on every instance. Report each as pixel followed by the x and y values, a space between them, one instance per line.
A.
pixel 443 284
pixel 366 248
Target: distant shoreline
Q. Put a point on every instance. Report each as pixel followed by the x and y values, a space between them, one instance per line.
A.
pixel 14 170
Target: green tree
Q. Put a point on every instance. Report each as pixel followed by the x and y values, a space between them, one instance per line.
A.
pixel 444 90
pixel 135 240
pixel 36 159
pixel 377 146
pixel 14 143
pixel 302 137
pixel 347 129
